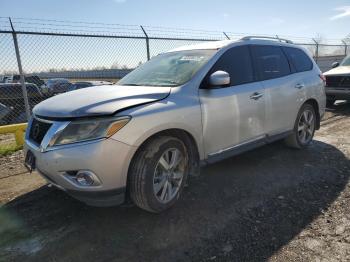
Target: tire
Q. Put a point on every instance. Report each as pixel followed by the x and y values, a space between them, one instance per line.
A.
pixel 296 140
pixel 151 166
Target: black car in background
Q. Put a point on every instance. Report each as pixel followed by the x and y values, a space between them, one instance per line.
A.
pixel 58 85
pixel 33 79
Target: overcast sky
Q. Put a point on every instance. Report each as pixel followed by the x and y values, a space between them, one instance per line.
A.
pixel 330 18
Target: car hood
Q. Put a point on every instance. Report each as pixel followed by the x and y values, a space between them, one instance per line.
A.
pixel 98 101
pixel 340 70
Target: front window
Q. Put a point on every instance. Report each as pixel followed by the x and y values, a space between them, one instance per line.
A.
pixel 169 69
pixel 346 61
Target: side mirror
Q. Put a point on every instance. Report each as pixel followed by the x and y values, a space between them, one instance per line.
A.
pixel 219 78
pixel 335 64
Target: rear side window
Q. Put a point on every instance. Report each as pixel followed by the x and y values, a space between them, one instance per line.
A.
pixel 270 62
pixel 237 62
pixel 298 59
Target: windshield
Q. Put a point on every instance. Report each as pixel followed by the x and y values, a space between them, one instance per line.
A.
pixel 169 69
pixel 346 61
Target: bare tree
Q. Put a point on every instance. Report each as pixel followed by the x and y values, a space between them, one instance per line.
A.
pixel 115 65
pixel 347 39
pixel 318 38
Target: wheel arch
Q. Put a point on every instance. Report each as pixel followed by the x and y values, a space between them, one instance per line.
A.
pixel 186 137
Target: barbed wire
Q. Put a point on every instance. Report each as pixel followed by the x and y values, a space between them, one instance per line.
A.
pixel 64 21
pixel 40 25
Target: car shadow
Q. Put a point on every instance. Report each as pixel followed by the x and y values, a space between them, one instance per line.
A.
pixel 242 209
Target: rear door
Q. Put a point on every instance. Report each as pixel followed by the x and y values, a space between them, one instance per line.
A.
pixel 281 87
pixel 235 113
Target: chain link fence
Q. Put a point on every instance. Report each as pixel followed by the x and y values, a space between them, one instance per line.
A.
pixel 42 58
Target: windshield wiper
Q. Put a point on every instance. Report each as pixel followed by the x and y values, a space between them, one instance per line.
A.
pixel 164 82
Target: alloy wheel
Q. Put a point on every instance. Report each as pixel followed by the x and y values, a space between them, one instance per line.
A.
pixel 306 126
pixel 168 175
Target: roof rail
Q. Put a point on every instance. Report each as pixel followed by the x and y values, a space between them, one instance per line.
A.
pixel 267 37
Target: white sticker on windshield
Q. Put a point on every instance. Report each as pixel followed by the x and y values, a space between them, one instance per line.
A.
pixel 192 58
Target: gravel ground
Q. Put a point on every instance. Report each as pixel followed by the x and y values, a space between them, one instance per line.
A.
pixel 12 164
pixel 273 203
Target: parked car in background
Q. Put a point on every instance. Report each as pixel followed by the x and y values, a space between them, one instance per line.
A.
pixel 338 81
pixel 12 104
pixel 85 84
pixel 34 79
pixel 5 79
pixel 4 111
pixel 190 106
pixel 58 85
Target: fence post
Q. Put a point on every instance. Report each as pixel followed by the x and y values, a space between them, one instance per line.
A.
pixel 345 47
pixel 227 36
pixel 316 52
pixel 147 42
pixel 20 70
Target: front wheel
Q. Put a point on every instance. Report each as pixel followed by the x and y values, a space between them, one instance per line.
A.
pixel 158 173
pixel 304 128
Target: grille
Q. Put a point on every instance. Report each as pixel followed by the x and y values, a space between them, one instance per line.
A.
pixel 38 130
pixel 338 81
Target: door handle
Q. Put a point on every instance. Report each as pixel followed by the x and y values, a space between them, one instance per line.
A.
pixel 256 96
pixel 299 86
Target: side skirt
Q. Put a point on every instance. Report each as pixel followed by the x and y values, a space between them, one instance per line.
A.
pixel 241 148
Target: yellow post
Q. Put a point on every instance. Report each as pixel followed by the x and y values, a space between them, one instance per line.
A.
pixel 19 137
pixel 17 129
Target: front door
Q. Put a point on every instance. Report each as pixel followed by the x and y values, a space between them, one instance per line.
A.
pixel 233 114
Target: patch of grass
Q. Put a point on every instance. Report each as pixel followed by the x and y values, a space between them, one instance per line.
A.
pixel 9 149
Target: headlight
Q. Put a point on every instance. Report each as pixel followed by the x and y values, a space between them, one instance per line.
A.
pixel 85 130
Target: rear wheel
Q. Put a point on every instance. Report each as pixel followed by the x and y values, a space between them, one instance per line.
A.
pixel 304 128
pixel 158 173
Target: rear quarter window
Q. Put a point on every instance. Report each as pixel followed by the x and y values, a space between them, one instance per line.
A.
pixel 298 59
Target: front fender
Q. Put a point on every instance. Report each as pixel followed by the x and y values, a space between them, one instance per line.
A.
pixel 160 116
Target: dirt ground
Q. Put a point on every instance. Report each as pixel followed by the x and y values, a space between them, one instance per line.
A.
pixel 273 203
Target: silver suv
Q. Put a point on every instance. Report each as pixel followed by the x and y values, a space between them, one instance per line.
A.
pixel 194 105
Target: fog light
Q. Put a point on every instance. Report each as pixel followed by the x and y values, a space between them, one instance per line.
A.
pixel 85 178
